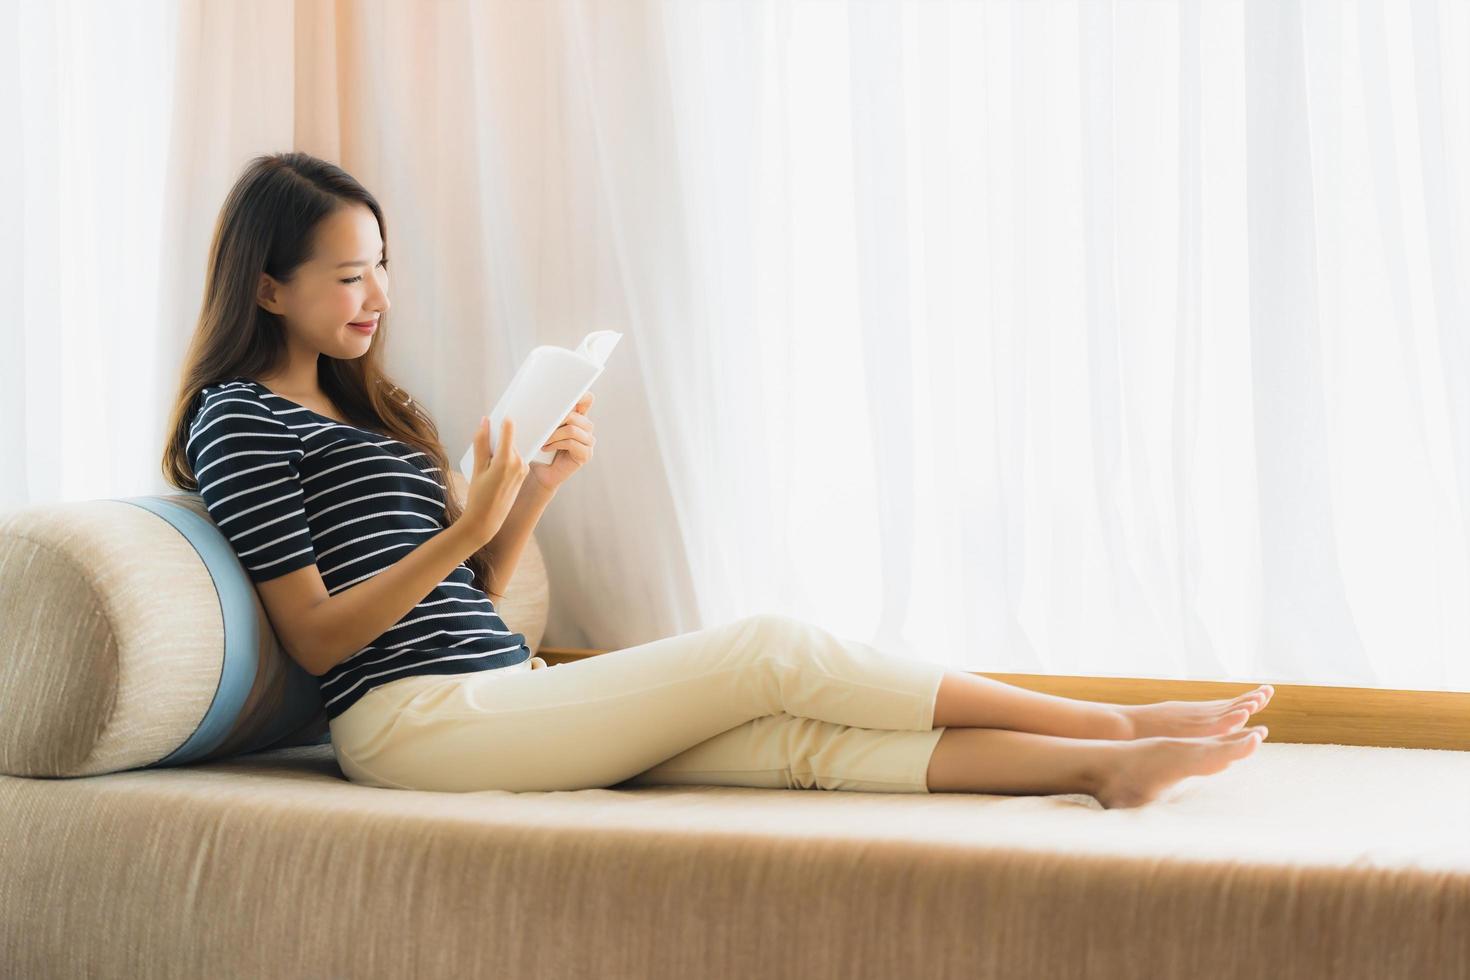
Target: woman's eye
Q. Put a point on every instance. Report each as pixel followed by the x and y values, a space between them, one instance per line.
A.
pixel 348 282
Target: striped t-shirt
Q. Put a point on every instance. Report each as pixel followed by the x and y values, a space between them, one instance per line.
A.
pixel 290 487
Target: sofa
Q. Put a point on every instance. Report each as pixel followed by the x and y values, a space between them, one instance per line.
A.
pixel 170 806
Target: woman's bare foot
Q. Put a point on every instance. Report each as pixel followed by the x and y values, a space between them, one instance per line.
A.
pixel 1146 767
pixel 1191 719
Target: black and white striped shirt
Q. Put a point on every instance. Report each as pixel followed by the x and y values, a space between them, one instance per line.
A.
pixel 290 487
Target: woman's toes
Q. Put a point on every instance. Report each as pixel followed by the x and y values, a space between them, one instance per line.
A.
pixel 1233 746
pixel 1236 718
pixel 1254 700
pixel 1246 740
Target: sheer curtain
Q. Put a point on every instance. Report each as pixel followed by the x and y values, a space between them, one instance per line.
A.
pixel 1122 339
pixel 85 99
pixel 1061 337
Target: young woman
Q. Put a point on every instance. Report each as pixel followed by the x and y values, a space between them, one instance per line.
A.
pixel 334 489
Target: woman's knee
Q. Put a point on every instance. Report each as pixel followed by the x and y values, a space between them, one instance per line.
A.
pixel 773 636
pixel 774 623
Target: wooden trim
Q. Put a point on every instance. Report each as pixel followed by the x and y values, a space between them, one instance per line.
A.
pixel 560 655
pixel 1306 713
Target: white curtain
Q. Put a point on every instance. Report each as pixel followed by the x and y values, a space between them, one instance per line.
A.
pixel 1067 337
pixel 85 100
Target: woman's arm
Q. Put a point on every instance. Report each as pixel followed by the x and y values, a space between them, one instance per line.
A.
pixel 506 547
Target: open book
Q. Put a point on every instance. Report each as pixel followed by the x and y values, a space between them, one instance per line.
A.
pixel 543 393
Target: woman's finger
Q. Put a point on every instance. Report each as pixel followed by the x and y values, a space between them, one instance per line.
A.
pixel 570 433
pixel 580 451
pixel 570 444
pixel 578 420
pixel 569 428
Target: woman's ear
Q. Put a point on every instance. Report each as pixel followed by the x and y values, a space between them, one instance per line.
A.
pixel 265 294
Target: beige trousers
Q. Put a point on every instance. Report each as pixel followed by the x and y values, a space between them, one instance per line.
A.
pixel 767 701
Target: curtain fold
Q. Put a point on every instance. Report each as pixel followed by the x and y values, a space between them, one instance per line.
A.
pixel 1122 339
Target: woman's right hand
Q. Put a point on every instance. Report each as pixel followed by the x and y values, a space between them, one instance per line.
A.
pixel 495 483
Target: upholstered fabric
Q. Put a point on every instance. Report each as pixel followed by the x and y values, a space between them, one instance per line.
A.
pixel 1303 861
pixel 131 636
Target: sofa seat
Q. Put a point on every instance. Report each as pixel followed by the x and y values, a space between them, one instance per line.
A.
pixel 1301 861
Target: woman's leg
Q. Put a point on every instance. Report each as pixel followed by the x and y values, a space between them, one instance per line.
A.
pixel 789 752
pixel 605 719
pixel 972 701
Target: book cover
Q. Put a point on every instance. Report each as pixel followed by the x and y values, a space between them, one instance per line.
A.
pixel 543 392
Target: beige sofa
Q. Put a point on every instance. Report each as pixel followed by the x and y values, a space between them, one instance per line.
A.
pixel 257 858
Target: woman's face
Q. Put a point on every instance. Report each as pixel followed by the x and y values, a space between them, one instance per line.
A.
pixel 345 282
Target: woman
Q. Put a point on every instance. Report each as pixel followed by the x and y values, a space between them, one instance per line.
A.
pixel 332 486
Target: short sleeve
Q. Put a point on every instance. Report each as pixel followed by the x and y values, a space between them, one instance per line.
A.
pixel 247 463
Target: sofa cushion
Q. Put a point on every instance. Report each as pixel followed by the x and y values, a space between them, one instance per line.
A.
pixel 131 637
pixel 1302 861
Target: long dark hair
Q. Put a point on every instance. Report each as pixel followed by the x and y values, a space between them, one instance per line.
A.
pixel 267 225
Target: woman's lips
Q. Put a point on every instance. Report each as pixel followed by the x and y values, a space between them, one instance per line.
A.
pixel 365 327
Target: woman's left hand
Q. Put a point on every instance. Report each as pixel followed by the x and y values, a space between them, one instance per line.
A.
pixel 573 441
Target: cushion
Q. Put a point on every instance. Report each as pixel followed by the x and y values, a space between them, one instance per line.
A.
pixel 132 637
pixel 1302 861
